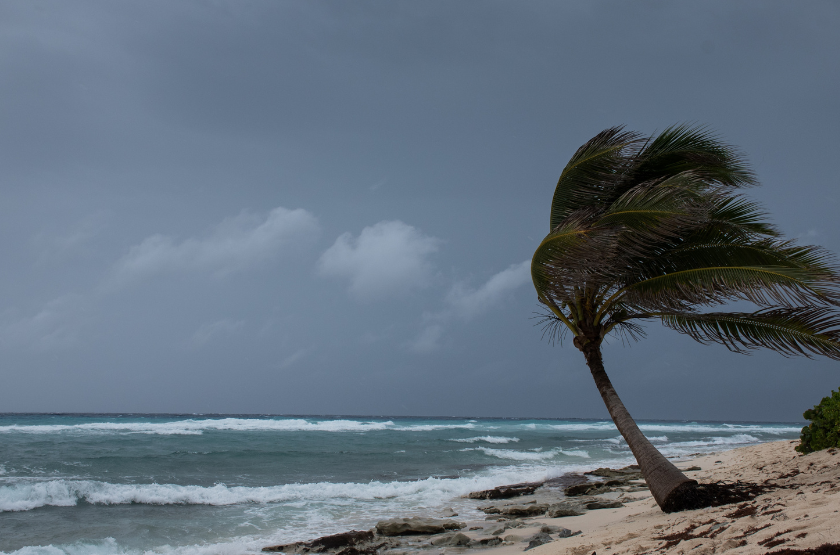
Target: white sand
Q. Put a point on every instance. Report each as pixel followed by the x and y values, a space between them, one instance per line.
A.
pixel 804 513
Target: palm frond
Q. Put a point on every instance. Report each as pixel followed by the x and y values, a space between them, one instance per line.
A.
pixel 762 285
pixel 692 148
pixel 737 215
pixel 793 331
pixel 553 327
pixel 569 254
pixel 588 176
pixel 651 213
pixel 750 253
pixel 657 229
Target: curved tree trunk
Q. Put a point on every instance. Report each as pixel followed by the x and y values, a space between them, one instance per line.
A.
pixel 666 482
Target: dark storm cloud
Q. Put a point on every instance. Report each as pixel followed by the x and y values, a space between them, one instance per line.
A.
pixel 328 207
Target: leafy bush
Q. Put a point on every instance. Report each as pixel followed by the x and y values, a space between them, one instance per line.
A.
pixel 824 430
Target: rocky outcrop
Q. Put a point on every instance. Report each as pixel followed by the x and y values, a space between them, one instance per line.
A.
pixel 506 492
pixel 559 530
pixel 454 539
pixel 558 510
pixel 495 530
pixel 632 472
pixel 525 510
pixel 538 539
pixel 582 489
pixel 416 525
pixel 326 543
pixel 606 504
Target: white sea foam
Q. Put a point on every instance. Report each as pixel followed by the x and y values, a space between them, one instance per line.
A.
pixel 487 439
pixel 433 427
pixel 24 495
pixel 738 439
pixel 109 546
pixel 678 427
pixel 198 426
pixel 533 455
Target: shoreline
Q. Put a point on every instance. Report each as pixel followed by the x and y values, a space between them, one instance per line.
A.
pixel 799 511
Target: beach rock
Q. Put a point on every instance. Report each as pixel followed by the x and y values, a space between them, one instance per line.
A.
pixel 564 509
pixel 559 530
pixel 486 542
pixel 580 489
pixel 632 470
pixel 506 492
pixel 525 510
pixel 451 540
pixel 604 505
pixel 353 550
pixel 514 538
pixel 491 510
pixel 449 512
pixel 353 537
pixel 335 541
pixel 496 530
pixel 537 540
pixel 416 525
pixel 610 495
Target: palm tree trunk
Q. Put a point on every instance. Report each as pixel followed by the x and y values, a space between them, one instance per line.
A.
pixel 666 482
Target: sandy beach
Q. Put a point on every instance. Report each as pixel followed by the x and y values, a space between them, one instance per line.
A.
pixel 798 510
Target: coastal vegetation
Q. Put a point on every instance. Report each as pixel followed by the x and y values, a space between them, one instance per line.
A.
pixel 655 228
pixel 824 430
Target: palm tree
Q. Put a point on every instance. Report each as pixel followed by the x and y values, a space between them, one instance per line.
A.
pixel 654 228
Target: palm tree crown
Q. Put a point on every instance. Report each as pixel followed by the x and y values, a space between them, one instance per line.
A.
pixel 655 228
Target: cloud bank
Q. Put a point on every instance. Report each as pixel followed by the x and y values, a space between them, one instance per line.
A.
pixel 386 259
pixel 466 303
pixel 234 244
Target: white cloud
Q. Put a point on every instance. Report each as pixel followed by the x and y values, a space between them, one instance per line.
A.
pixel 209 330
pixel 386 259
pixel 468 303
pixel 234 244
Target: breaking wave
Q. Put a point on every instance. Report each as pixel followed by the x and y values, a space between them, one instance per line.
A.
pixel 28 495
pixel 488 439
pixel 533 455
pixel 199 426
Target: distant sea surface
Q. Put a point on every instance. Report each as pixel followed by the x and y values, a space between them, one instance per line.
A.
pixel 198 484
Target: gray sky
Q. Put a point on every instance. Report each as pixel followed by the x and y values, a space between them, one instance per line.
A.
pixel 328 207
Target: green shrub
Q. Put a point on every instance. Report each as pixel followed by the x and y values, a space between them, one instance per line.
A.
pixel 824 430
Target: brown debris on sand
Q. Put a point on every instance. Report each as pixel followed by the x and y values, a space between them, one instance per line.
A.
pixel 824 549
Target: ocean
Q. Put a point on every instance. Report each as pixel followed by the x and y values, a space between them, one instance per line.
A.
pixel 232 484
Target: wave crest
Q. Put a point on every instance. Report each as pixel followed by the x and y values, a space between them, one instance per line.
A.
pixel 488 439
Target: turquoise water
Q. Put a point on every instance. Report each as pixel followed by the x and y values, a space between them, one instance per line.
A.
pixel 133 484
